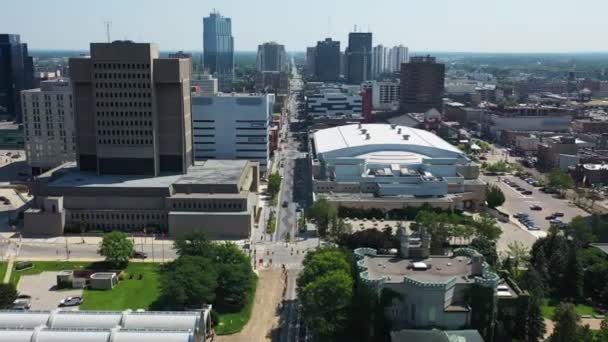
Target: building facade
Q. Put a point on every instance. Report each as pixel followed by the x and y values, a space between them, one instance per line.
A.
pixel 359 57
pixel 233 127
pixel 48 118
pixel 276 82
pixel 311 53
pixel 422 85
pixel 397 55
pixel 327 60
pixel 379 60
pixel 271 57
pixel 132 110
pixel 389 166
pixel 385 95
pixel 206 86
pixel 16 74
pixel 334 104
pixel 218 49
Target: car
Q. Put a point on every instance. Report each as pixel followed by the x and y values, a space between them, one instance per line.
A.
pixel 558 214
pixel 536 207
pixel 71 301
pixel 526 192
pixel 285 204
pixel 22 303
pixel 550 217
pixel 139 255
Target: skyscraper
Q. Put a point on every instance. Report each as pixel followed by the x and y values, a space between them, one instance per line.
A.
pixel 271 57
pixel 132 110
pixel 422 85
pixel 218 48
pixel 311 53
pixel 327 60
pixel 359 57
pixel 16 74
pixel 379 59
pixel 397 56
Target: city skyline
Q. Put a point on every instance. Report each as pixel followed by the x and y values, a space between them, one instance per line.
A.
pixel 455 27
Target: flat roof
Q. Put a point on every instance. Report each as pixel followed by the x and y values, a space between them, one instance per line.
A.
pixel 214 172
pixel 342 137
pixel 602 246
pixel 439 269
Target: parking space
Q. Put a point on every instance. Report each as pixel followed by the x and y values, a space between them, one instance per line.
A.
pixel 530 198
pixel 43 290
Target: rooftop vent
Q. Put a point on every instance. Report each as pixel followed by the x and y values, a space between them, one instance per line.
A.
pixel 399 130
pixel 406 137
pixel 393 126
pixel 363 131
pixel 367 136
pixel 360 126
pixel 420 266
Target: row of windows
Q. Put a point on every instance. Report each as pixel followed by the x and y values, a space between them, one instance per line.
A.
pixel 117 123
pixel 122 85
pixel 120 66
pixel 121 76
pixel 123 114
pixel 207 205
pixel 123 95
pixel 120 132
pixel 125 141
pixel 123 104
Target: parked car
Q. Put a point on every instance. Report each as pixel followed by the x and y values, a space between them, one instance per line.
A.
pixel 285 204
pixel 550 217
pixel 22 303
pixel 139 255
pixel 536 207
pixel 71 301
pixel 526 192
pixel 558 214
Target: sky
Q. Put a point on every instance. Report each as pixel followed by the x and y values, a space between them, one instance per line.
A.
pixel 422 25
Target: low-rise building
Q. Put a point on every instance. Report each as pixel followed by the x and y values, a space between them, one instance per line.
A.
pixel 550 149
pixel 217 197
pixel 334 103
pixel 385 95
pixel 526 118
pixel 205 86
pixel 389 166
pixel 48 118
pixel 590 126
pixel 232 126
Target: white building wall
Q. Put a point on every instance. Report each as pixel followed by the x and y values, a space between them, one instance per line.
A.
pixel 379 60
pixel 49 124
pixel 334 105
pixel 207 84
pixel 232 127
pixel 385 95
pixel 396 56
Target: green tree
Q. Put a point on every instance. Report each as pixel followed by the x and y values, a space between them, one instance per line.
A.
pixel 117 248
pixel 439 226
pixel 494 196
pixel 535 324
pixel 322 213
pixel 486 226
pixel 559 180
pixel 533 282
pixel 580 231
pixel 487 248
pixel 189 282
pixel 235 277
pixel 602 334
pixel 566 323
pixel 194 244
pixel 325 304
pixel 321 262
pixel 8 294
pixel 572 284
pixel 518 253
pixel 274 184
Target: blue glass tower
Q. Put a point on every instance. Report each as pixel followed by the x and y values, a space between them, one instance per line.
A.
pixel 218 48
pixel 16 74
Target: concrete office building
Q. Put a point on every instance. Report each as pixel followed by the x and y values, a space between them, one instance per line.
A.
pixel 218 49
pixel 272 57
pixel 48 118
pixel 334 102
pixel 327 60
pixel 16 74
pixel 134 152
pixel 397 55
pixel 359 57
pixel 379 60
pixel 206 86
pixel 385 95
pixel 106 326
pixel 311 68
pixel 389 167
pixel 531 118
pixel 422 85
pixel 276 82
pixel 232 127
pixel 432 288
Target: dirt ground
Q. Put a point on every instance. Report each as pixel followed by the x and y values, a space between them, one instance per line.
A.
pixel 264 317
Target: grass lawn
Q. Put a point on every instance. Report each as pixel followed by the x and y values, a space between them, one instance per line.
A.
pixel 233 322
pixel 548 309
pixel 129 293
pixel 41 266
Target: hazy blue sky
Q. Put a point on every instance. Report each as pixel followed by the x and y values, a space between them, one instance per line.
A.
pixel 437 25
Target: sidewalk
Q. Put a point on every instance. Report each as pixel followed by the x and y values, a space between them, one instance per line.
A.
pixel 9 271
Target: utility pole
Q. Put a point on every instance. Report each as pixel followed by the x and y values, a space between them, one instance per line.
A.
pixel 153 237
pixel 67 250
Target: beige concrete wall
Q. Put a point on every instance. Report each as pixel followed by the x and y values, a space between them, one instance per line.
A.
pixel 43 223
pixel 215 225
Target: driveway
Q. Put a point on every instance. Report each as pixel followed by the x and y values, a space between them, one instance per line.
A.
pixel 42 289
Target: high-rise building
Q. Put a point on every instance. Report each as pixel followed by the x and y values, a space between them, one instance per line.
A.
pixel 422 85
pixel 218 48
pixel 359 57
pixel 397 56
pixel 132 110
pixel 327 60
pixel 311 53
pixel 232 127
pixel 16 74
pixel 379 60
pixel 271 57
pixel 48 118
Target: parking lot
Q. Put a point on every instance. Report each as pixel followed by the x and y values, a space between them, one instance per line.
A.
pixel 43 290
pixel 518 202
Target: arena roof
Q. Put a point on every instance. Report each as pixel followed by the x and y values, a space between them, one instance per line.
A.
pixel 353 136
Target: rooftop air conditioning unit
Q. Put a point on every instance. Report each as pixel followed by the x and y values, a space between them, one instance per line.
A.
pixel 367 136
pixel 406 137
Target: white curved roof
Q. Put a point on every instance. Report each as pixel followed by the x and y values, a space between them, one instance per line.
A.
pixel 46 335
pixel 85 319
pixel 384 137
pixel 84 335
pixel 153 336
pixel 13 335
pixel 23 319
pixel 161 320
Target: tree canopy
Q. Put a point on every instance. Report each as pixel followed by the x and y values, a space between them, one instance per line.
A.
pixel 559 180
pixel 494 196
pixel 8 294
pixel 190 282
pixel 117 248
pixel 274 183
pixel 322 214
